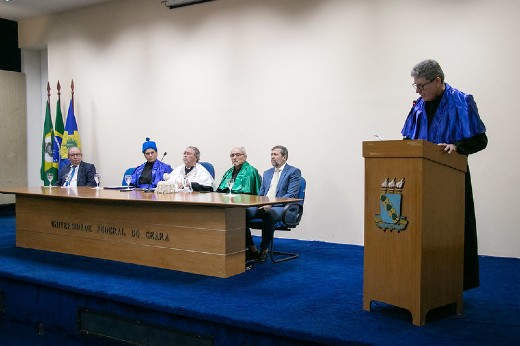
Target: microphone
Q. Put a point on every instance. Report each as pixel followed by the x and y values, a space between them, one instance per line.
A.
pixel 163 155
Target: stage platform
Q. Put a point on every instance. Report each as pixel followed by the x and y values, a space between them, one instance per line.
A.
pixel 58 299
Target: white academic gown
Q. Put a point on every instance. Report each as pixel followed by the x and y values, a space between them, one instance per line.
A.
pixel 199 175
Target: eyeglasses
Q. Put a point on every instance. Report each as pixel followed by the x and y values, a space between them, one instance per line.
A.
pixel 74 155
pixel 237 155
pixel 421 86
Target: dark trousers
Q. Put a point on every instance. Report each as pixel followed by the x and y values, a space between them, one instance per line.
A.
pixel 471 265
pixel 269 220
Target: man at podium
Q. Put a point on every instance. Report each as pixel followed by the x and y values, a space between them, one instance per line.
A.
pixel 449 118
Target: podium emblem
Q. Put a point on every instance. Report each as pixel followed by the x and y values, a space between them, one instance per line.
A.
pixel 390 205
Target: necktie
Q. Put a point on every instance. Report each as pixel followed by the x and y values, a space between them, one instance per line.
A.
pixel 71 175
pixel 274 183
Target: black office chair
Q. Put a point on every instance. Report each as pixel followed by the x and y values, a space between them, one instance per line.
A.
pixel 284 225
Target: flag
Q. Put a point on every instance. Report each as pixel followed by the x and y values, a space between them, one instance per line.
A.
pixel 58 137
pixel 47 146
pixel 70 137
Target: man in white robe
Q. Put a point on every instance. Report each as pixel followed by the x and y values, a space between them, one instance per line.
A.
pixel 192 174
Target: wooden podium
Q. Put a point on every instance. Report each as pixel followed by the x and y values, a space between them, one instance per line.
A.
pixel 416 263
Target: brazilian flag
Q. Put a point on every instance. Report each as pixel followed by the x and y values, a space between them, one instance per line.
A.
pixel 70 137
pixel 47 149
pixel 58 137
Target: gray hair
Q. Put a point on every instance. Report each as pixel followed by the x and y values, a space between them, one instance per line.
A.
pixel 283 150
pixel 429 69
pixel 242 149
pixel 196 152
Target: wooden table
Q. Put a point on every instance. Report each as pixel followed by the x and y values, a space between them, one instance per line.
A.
pixel 202 233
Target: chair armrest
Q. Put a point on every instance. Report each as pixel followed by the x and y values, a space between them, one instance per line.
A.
pixel 294 208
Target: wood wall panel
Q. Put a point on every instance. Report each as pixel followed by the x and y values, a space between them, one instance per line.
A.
pixel 13 132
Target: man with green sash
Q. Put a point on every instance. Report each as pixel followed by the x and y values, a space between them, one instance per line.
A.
pixel 246 177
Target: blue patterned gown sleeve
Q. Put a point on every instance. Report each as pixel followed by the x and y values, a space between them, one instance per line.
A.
pixel 456 118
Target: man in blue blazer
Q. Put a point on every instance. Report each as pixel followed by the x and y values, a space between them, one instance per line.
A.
pixel 81 173
pixel 282 180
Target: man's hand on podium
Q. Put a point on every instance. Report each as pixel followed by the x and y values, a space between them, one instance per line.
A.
pixel 449 148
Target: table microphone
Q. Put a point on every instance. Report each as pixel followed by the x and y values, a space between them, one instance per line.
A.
pixel 163 155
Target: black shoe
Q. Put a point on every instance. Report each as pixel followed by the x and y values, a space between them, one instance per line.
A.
pixel 262 256
pixel 251 255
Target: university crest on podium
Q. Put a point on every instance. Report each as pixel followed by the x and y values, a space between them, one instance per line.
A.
pixel 390 202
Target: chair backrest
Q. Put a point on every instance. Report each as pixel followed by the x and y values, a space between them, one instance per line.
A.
pixel 209 167
pixel 294 209
pixel 303 185
pixel 127 172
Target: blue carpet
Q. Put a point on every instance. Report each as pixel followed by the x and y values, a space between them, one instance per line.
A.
pixel 317 297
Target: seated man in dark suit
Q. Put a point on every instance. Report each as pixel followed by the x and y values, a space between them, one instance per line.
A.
pixel 81 173
pixel 280 181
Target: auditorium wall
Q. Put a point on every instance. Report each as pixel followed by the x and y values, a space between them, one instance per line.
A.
pixel 13 136
pixel 318 76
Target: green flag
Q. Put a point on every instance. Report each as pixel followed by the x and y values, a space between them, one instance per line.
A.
pixel 47 148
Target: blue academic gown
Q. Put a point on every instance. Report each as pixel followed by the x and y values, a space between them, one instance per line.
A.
pixel 456 121
pixel 158 170
pixel 456 118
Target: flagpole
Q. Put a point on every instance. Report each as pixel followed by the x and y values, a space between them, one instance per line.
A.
pixel 72 88
pixel 58 134
pixel 47 143
pixel 49 92
pixel 59 91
